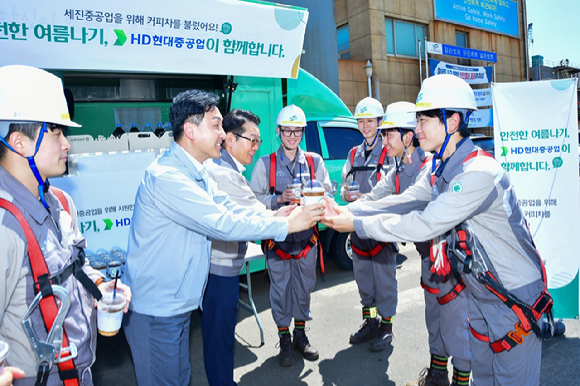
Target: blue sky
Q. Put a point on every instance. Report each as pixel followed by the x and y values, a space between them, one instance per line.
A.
pixel 556 31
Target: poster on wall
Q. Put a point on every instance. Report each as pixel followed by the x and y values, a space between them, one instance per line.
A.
pixel 460 52
pixel 472 75
pixel 181 36
pixel 535 135
pixel 481 118
pixel 483 97
pixel 499 16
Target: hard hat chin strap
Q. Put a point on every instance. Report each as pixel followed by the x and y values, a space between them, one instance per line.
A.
pixel 32 164
pixel 367 144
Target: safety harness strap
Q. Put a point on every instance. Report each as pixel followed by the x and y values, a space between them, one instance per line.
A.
pixel 312 169
pixel 378 168
pixel 527 316
pixel 398 183
pixel 431 290
pixel 471 155
pixel 381 162
pixel 373 252
pixel 272 173
pixel 48 305
pixel 274 247
pixel 454 293
pixel 451 295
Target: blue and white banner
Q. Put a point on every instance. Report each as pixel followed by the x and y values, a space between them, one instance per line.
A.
pixel 181 36
pixel 472 75
pixel 536 141
pixel 482 97
pixel 481 118
pixel 499 16
pixel 460 52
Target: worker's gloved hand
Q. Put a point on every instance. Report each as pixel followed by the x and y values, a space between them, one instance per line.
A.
pixel 439 257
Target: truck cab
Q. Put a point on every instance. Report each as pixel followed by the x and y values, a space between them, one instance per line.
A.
pixel 104 171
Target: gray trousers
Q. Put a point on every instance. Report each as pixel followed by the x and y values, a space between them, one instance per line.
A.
pixel 376 277
pixel 291 283
pixel 519 366
pixel 447 324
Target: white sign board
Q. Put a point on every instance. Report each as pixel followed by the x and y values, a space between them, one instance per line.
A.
pixel 536 142
pixel 482 97
pixel 104 205
pixel 224 37
pixel 472 75
pixel 481 118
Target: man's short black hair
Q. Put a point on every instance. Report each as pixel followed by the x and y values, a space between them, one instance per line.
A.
pixel 403 131
pixel 235 119
pixel 438 113
pixel 191 106
pixel 29 129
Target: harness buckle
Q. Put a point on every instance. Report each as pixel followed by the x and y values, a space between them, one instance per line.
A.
pixel 50 352
pixel 271 244
pixel 518 334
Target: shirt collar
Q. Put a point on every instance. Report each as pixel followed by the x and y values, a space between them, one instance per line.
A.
pixel 241 168
pixel 201 169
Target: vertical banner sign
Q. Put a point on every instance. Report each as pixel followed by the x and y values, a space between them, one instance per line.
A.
pixel 535 134
pixel 217 37
pixel 472 75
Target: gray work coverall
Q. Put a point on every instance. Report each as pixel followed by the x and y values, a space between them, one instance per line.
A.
pixel 376 276
pixel 293 280
pixel 476 192
pixel 446 323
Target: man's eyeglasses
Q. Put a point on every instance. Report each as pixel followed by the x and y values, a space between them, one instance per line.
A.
pixel 288 133
pixel 254 141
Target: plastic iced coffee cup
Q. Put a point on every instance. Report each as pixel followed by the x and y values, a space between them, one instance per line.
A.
pixel 4 350
pixel 295 186
pixel 110 312
pixel 313 192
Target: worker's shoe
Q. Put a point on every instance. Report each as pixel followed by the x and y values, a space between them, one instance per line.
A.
pixel 431 377
pixel 367 331
pixel 383 337
pixel 286 357
pixel 302 344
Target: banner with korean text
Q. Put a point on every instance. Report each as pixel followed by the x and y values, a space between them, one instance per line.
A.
pixel 535 131
pixel 472 75
pixel 481 118
pixel 482 97
pixel 220 37
pixel 498 16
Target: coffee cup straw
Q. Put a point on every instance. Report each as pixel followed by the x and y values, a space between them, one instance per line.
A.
pixel 115 286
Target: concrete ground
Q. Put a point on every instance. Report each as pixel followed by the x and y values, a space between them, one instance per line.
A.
pixel 337 313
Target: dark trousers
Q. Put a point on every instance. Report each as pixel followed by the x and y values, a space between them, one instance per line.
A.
pixel 218 324
pixel 160 348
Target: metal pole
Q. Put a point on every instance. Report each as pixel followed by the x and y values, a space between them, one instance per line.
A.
pixel 527 61
pixel 370 90
pixel 420 63
pixel 426 63
pixel 494 78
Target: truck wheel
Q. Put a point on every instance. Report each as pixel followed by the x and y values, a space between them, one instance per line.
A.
pixel 342 250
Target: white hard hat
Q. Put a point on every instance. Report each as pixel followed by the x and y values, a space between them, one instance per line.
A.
pixel 29 94
pixel 368 108
pixel 401 115
pixel 291 116
pixel 445 91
